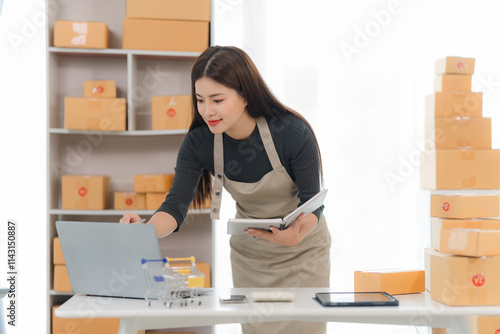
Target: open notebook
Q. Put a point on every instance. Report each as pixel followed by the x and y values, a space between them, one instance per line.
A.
pixel 238 226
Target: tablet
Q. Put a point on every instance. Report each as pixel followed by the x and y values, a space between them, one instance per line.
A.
pixel 238 226
pixel 356 299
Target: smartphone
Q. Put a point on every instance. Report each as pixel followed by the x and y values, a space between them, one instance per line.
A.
pixel 233 299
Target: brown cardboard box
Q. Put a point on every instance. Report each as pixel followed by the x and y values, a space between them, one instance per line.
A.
pixel 81 192
pixel 57 254
pixel 452 132
pixel 454 104
pixel 466 237
pixel 439 331
pixel 153 183
pixel 461 280
pixel 76 34
pixel 171 112
pixel 465 206
pixel 190 10
pixel 154 200
pixel 452 82
pixel 394 281
pixel 484 324
pixel 187 36
pixel 84 325
pixel 99 88
pixel 105 114
pixel 130 201
pixel 455 65
pixel 460 169
pixel 204 267
pixel 61 278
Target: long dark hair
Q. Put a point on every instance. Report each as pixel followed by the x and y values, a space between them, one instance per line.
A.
pixel 233 68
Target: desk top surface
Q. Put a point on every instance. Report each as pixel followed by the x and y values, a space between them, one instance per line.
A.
pixel 412 305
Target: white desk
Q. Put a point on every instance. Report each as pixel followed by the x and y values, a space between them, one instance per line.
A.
pixel 415 310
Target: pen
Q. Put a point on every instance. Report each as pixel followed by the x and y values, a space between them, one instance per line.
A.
pixel 141 221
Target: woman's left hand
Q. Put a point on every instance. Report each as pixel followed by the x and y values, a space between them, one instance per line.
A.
pixel 290 236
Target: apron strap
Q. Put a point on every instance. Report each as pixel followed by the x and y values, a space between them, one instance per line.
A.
pixel 218 181
pixel 267 140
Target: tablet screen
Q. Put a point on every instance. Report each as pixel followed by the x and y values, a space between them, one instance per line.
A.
pixel 356 299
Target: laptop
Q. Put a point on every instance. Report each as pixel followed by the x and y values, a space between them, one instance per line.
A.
pixel 104 259
pixel 238 226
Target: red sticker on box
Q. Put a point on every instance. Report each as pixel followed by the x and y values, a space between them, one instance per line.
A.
pixel 446 206
pixel 478 280
pixel 461 65
pixel 129 201
pixel 171 112
pixel 497 331
pixel 82 191
pixel 98 90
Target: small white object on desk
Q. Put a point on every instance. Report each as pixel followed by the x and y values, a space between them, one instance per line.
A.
pixel 272 296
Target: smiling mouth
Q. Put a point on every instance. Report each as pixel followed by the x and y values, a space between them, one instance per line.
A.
pixel 214 122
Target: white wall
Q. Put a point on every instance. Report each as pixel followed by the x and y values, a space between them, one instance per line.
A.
pixel 22 151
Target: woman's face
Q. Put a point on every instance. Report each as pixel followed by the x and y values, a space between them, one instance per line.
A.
pixel 223 109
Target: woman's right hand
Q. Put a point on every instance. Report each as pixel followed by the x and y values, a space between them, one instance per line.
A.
pixel 130 217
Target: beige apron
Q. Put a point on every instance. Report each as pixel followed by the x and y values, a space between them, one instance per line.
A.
pixel 260 263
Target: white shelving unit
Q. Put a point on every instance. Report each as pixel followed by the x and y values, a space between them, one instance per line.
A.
pixel 139 75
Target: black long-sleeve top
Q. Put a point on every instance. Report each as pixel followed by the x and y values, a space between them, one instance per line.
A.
pixel 245 161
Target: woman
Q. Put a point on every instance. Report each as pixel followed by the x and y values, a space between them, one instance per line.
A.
pixel 267 157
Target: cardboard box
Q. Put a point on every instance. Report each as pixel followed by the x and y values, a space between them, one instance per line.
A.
pixel 154 200
pixel 77 34
pixel 464 206
pixel 130 201
pixel 392 281
pixel 61 278
pixel 99 88
pixel 187 36
pixel 153 183
pixel 484 324
pixel 454 104
pixel 466 237
pixel 460 169
pixel 204 267
pixel 461 280
pixel 439 331
pixel 57 254
pixel 85 192
pixel 452 132
pixel 171 112
pixel 455 65
pixel 105 114
pixel 452 82
pixel 190 10
pixel 84 325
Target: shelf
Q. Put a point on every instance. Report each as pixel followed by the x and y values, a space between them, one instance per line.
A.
pixel 124 53
pixel 111 212
pixel 119 133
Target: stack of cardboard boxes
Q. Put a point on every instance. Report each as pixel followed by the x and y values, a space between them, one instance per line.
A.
pixel 149 192
pixel 98 109
pixel 463 266
pixel 175 25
